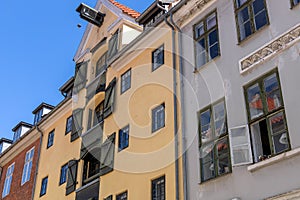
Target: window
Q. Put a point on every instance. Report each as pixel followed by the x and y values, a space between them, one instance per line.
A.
pixel 76 124
pixel 17 135
pixel 158 117
pixel 80 77
pixel 125 81
pixel 69 125
pixel 95 116
pixel 63 174
pixel 113 45
pixel 109 98
pixel 207 39
pixel 295 2
pixel 50 139
pixel 266 117
pixel 213 142
pixel 122 196
pixel 27 166
pixel 251 15
pixel 91 168
pixel 101 64
pixel 110 197
pixel 123 138
pixel 158 189
pixel 158 58
pixel 8 179
pixel 38 116
pixel 44 186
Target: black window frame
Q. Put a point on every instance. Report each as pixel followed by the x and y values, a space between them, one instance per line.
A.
pixel 155 114
pixel 205 36
pixel 127 83
pixel 249 5
pixel 267 114
pixel 161 52
pixel 69 125
pixel 63 174
pixel 124 132
pixel 212 142
pixel 160 182
pixel 120 196
pixel 88 174
pixel 44 182
pixel 50 140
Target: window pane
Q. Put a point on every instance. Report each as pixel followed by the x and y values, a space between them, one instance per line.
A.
pixel 222 147
pixel 223 165
pixel 211 21
pixel 280 142
pixel 219 119
pixel 255 102
pixel 260 20
pixel 241 154
pixel 207 153
pixel 213 43
pixel 239 3
pixel 272 89
pixel 206 134
pixel 295 2
pixel 199 30
pixel 200 53
pixel 277 123
pixel 244 23
pixel 207 171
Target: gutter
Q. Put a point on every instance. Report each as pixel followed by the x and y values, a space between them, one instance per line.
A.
pixel 37 162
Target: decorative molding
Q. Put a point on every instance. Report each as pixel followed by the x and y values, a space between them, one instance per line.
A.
pixel 272 48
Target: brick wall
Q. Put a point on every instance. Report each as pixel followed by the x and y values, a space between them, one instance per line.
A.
pixel 18 192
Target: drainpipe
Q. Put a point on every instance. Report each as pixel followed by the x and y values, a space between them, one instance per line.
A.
pixel 175 107
pixel 38 160
pixel 184 149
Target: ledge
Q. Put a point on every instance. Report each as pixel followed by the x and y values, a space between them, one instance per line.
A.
pixel 87 185
pixel 275 159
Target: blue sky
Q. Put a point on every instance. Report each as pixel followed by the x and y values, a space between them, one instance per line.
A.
pixel 38 40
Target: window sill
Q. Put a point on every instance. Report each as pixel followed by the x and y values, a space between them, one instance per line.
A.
pixel 87 185
pixel 273 160
pixel 198 69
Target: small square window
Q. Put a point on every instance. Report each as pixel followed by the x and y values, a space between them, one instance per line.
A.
pixel 158 117
pixel 125 81
pixel 158 58
pixel 123 138
pixel 63 174
pixel 50 139
pixel 159 189
pixel 122 196
pixel 44 186
pixel 69 125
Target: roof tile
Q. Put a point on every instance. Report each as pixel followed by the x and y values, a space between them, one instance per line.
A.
pixel 125 9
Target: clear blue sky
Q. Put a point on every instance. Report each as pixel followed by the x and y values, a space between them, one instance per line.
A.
pixel 38 40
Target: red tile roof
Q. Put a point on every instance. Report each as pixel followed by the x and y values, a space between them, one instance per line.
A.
pixel 125 9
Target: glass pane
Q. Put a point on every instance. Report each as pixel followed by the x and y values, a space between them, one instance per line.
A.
pixel 199 30
pixel 219 119
pixel 207 152
pixel 244 23
pixel 258 6
pixel 222 147
pixel 272 89
pixel 260 20
pixel 295 2
pixel 207 171
pixel 256 141
pixel 239 3
pixel 239 136
pixel 241 154
pixel 277 123
pixel 200 53
pixel 205 122
pixel 213 43
pixel 255 102
pixel 211 21
pixel 223 165
pixel 280 143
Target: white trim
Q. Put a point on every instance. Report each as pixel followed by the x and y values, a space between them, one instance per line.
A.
pixel 28 172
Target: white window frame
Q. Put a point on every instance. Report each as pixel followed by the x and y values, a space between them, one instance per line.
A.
pixel 8 180
pixel 27 166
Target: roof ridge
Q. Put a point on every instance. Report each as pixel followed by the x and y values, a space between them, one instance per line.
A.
pixel 129 11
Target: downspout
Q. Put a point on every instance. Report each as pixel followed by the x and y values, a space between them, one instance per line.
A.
pixel 37 162
pixel 184 149
pixel 175 107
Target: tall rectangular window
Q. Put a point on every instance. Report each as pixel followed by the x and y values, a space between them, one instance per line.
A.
pixel 123 138
pixel 50 139
pixel 158 118
pixel 69 125
pixel 206 39
pixel 251 15
pixel 27 166
pixel 44 186
pixel 122 196
pixel 213 142
pixel 63 174
pixel 8 179
pixel 126 81
pixel 17 135
pixel 158 58
pixel 266 117
pixel 159 189
pixel 295 2
pixel 113 44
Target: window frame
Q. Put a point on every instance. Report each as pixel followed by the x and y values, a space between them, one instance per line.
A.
pixel 205 36
pixel 214 140
pixel 248 4
pixel 293 4
pixel 69 129
pixel 118 196
pixel 124 80
pixel 63 174
pixel 154 183
pixel 121 139
pixel 44 181
pixel 8 180
pixel 50 144
pixel 154 114
pixel 86 172
pixel 266 114
pixel 27 162
pixel 155 66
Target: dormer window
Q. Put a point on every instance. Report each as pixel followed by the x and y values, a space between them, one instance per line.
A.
pixel 38 116
pixel 20 130
pixel 42 110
